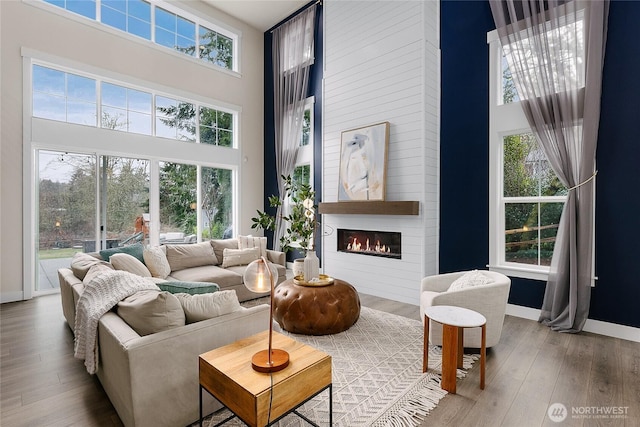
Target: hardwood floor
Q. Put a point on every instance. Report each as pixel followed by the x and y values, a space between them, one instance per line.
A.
pixel 41 384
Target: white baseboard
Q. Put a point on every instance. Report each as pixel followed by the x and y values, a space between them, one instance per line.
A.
pixel 11 296
pixel 594 326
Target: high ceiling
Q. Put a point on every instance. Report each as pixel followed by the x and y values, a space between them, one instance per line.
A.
pixel 260 14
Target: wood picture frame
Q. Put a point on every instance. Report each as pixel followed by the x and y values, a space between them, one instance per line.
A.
pixel 363 163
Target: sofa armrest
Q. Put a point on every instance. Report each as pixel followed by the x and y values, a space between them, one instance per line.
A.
pixel 67 281
pixel 160 370
pixel 277 257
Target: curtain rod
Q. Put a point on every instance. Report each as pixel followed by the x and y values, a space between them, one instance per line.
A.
pixel 299 11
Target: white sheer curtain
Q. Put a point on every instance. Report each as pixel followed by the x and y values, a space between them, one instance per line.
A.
pixel 555 51
pixel 292 58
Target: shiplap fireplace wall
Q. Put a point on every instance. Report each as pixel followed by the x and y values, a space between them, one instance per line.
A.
pixel 382 63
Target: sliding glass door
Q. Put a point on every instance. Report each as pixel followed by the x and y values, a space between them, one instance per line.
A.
pixel 86 203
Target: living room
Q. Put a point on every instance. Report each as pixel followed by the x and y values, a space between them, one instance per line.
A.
pixel 438 149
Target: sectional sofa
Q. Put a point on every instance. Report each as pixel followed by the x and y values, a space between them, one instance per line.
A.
pixel 149 342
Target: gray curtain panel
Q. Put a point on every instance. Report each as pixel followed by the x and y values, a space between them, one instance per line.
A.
pixel 555 52
pixel 293 52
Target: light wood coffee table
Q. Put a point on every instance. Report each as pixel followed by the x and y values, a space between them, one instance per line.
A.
pixel 453 320
pixel 227 375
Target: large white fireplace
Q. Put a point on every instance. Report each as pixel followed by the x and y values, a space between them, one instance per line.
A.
pixel 384 69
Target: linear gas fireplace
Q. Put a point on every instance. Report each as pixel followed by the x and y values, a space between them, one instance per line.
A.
pixel 375 243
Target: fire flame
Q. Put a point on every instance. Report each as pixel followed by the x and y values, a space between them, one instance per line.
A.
pixel 356 246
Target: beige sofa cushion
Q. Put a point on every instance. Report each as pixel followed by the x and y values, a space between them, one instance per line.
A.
pixel 220 245
pixel 207 306
pixel 245 242
pixel 82 262
pixel 208 273
pixel 148 312
pixel 155 257
pixel 186 256
pixel 129 263
pixel 233 257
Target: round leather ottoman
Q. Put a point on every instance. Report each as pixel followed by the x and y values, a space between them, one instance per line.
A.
pixel 316 310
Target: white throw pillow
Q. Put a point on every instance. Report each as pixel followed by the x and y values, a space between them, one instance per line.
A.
pixel 233 257
pixel 246 242
pixel 156 260
pixel 129 263
pixel 207 306
pixel 469 280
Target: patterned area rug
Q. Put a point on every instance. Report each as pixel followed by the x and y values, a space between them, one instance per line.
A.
pixel 377 375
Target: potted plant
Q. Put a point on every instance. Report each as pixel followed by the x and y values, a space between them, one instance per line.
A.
pixel 300 222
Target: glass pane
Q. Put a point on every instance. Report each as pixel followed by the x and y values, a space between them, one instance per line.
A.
pixel 549 220
pixel 139 101
pixel 139 123
pixel 139 28
pixel 81 88
pixel 225 52
pixel 166 20
pixel 550 184
pixel 208 135
pixel 186 29
pixel 521 161
pixel 217 202
pixel 521 233
pixel 120 5
pixel 185 45
pixel 83 7
pixel 48 80
pixel 113 18
pixel 66 212
pixel 178 199
pixel 140 9
pixel 114 119
pixel 127 200
pixel 59 3
pixel 208 125
pixel 225 120
pixel 208 48
pixel 306 128
pixel 225 138
pixel 302 175
pixel 82 113
pixel 187 130
pixel 114 95
pixel 509 92
pixel 165 38
pixel 49 107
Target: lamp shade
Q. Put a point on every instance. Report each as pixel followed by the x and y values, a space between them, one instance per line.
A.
pixel 256 277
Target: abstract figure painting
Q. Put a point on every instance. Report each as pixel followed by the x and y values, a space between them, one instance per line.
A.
pixel 363 163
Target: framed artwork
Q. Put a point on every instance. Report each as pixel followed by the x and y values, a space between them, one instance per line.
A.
pixel 363 163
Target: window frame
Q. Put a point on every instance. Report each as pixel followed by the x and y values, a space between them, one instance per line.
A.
pixel 183 11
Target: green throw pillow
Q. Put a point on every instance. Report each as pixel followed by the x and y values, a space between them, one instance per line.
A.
pixel 135 250
pixel 191 288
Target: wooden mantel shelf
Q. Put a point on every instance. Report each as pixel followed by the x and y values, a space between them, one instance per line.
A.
pixel 370 208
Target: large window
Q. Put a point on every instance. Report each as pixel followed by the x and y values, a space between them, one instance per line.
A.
pixel 526 197
pixel 95 189
pixel 172 28
pixel 73 98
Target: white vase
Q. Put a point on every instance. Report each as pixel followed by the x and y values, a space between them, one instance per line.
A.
pixel 311 266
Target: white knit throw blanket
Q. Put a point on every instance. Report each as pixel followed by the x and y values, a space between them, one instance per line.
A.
pixel 100 294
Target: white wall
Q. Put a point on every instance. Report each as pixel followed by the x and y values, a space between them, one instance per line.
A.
pixel 23 25
pixel 382 64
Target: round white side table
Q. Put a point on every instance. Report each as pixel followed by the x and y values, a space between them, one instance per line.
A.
pixel 453 320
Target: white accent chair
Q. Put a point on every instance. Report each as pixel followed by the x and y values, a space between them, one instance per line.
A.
pixel 490 300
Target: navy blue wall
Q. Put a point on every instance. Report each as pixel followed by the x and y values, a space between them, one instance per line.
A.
pixel 465 147
pixel 315 89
